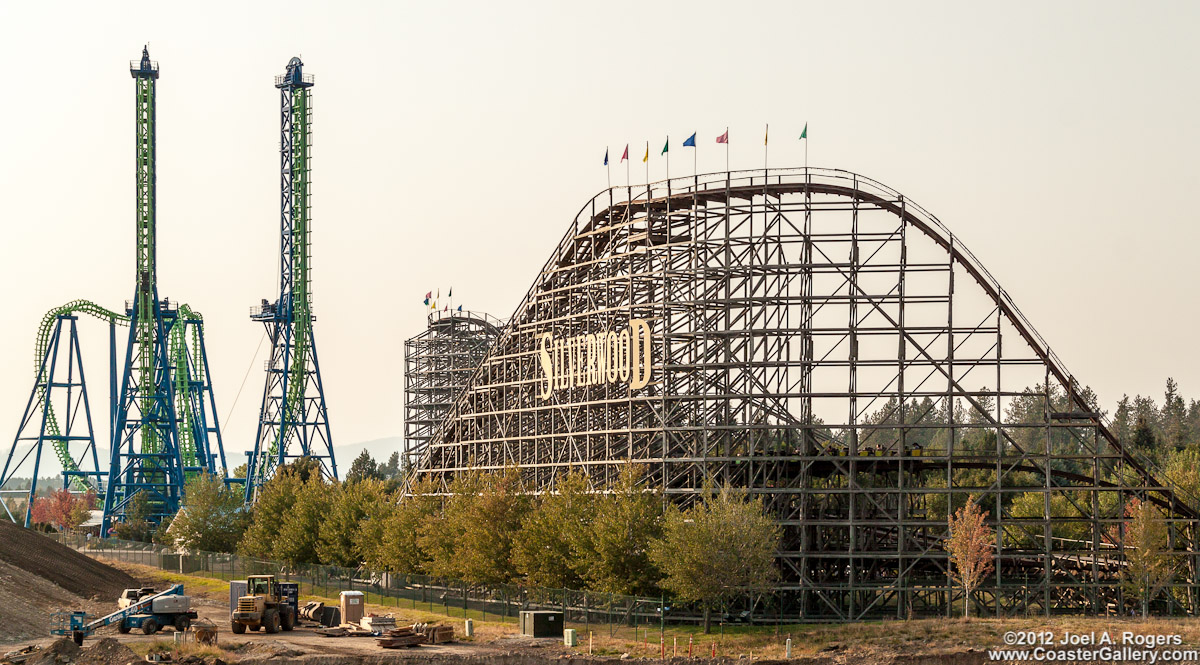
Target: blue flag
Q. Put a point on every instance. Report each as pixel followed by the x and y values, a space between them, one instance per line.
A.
pixel 606 156
pixel 691 141
pixel 460 308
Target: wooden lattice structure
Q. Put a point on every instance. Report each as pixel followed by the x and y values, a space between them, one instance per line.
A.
pixel 818 339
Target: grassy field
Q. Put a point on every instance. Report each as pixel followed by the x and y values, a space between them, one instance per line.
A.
pixel 873 639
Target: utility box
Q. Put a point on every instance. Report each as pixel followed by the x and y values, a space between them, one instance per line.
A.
pixel 353 606
pixel 237 589
pixel 569 637
pixel 331 617
pixel 170 605
pixel 290 591
pixel 541 623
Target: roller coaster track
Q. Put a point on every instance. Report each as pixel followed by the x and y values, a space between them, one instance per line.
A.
pixel 45 329
pixel 180 348
pixel 675 197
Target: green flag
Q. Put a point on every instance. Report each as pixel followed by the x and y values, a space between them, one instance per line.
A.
pixel 804 134
pixel 665 146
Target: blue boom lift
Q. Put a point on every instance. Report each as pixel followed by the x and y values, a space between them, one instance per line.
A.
pixel 168 608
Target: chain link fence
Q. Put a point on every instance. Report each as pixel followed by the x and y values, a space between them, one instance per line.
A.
pixel 631 617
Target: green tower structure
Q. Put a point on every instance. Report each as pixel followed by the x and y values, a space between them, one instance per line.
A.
pixel 293 420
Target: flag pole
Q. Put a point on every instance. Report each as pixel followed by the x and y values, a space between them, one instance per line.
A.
pixel 667 149
pixel 646 161
pixel 607 168
pixel 766 140
pixel 727 148
pixel 628 180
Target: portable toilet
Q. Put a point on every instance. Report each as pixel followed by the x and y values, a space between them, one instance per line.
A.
pixel 353 605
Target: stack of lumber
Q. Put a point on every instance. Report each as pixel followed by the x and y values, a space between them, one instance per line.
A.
pixel 378 624
pixel 400 637
pixel 345 630
pixel 434 633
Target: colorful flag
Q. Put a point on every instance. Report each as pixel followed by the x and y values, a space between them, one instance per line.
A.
pixel 427 301
pixel 765 132
pixel 724 138
pixel 429 295
pixel 446 308
pixel 804 134
pixel 646 157
pixel 460 308
pixel 606 156
pixel 691 141
pixel 666 146
pixel 451 294
pixel 626 155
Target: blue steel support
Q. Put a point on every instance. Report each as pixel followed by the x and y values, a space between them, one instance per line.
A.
pixel 293 413
pixel 149 456
pixel 42 400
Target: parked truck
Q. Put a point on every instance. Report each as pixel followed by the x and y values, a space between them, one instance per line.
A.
pixel 262 607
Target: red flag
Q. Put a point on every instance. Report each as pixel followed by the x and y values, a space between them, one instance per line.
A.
pixel 429 295
pixel 626 155
pixel 724 138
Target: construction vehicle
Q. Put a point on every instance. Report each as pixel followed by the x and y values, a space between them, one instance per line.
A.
pixel 148 613
pixel 263 606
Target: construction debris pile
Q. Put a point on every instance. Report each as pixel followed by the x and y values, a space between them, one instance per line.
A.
pixel 416 635
pixel 388 634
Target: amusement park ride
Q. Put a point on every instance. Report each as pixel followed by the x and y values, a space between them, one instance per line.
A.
pixel 163 421
pixel 293 407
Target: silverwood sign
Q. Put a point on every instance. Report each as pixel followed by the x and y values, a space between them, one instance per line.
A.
pixel 618 356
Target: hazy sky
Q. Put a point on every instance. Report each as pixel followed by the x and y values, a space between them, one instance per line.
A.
pixel 454 142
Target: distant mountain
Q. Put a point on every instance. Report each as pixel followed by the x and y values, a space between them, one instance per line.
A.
pixel 379 449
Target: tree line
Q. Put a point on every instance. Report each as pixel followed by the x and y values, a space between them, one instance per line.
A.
pixel 487 529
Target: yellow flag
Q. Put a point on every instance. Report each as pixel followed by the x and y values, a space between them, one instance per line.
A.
pixel 647 157
pixel 765 134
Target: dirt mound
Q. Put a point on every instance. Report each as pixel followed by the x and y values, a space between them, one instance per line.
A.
pixel 266 649
pixel 26 602
pixel 107 652
pixel 61 651
pixel 75 572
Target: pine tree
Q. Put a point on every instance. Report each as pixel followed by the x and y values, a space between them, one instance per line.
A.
pixel 391 470
pixel 1123 420
pixel 1143 436
pixel 1174 417
pixel 363 468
